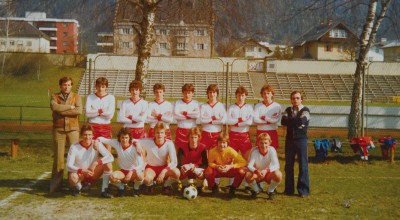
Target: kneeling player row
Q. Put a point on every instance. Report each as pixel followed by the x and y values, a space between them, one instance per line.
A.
pixel 149 161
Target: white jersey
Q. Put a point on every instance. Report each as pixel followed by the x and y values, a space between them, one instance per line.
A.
pixel 136 110
pixel 159 155
pixel 261 162
pixel 190 109
pixel 215 114
pixel 240 117
pixel 129 158
pixel 164 110
pixel 267 116
pixel 80 157
pixel 94 103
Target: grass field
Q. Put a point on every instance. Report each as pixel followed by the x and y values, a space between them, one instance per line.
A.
pixel 342 187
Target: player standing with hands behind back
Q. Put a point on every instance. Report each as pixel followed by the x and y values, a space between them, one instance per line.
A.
pixel 296 118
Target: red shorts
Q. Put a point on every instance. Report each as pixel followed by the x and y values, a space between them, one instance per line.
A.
pixel 181 137
pixel 101 130
pixel 274 137
pixel 240 141
pixel 138 133
pixel 210 139
pixel 188 174
pixel 167 134
pixel 125 172
pixel 156 169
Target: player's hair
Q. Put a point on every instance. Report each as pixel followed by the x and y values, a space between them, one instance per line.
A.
pixel 86 127
pixel 188 87
pixel 269 88
pixel 195 131
pixel 223 137
pixel 102 81
pixel 297 92
pixel 241 90
pixel 135 84
pixel 213 88
pixel 123 132
pixel 264 136
pixel 158 86
pixel 64 80
pixel 160 126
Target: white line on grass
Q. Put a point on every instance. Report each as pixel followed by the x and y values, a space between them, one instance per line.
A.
pixel 24 189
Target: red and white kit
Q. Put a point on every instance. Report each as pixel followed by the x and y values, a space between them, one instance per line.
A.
pixel 133 115
pixel 128 158
pixel 261 162
pixel 186 114
pixel 165 115
pixel 100 110
pixel 267 117
pixel 80 158
pixel 159 155
pixel 212 118
pixel 240 118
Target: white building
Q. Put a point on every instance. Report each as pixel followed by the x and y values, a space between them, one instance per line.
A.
pixel 21 36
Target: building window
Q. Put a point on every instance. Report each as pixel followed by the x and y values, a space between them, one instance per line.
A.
pixel 20 43
pixel 65 24
pixel 65 34
pixel 338 33
pixel 250 49
pixel 200 47
pixel 259 50
pixel 126 31
pixel 200 33
pixel 12 43
pixel 163 32
pixel 3 43
pixel 64 43
pixel 125 45
pixel 328 47
pixel 181 46
pixel 29 43
pixel 182 33
pixel 163 45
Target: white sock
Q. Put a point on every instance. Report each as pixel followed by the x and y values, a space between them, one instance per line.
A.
pixel 231 181
pixel 205 183
pixel 272 186
pixel 168 181
pixel 137 184
pixel 217 180
pixel 120 185
pixel 255 186
pixel 246 184
pixel 106 177
pixel 262 185
pixel 79 186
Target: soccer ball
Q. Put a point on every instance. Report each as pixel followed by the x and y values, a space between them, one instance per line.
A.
pixel 190 193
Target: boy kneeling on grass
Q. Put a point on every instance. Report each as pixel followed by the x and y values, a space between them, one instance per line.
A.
pixel 129 160
pixel 84 165
pixel 264 166
pixel 224 161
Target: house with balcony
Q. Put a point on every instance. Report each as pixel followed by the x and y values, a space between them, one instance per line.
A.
pixel 253 49
pixel 105 42
pixel 63 33
pixel 330 41
pixel 185 29
pixel 21 36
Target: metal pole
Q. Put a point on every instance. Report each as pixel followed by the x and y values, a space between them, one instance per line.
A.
pixel 90 80
pixel 226 92
pixel 362 100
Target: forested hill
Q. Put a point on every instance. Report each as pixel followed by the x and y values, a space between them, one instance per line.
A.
pixel 277 21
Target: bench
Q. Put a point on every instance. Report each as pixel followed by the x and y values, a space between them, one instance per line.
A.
pixel 14 145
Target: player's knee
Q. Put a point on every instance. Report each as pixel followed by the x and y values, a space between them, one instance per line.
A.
pixel 208 172
pixel 108 167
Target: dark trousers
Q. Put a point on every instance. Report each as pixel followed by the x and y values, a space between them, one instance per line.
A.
pixel 292 148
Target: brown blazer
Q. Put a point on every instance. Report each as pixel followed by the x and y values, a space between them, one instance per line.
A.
pixel 63 116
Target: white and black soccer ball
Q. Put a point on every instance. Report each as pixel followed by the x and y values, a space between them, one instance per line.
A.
pixel 190 193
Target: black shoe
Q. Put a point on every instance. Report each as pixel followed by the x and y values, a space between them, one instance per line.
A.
pixel 121 192
pixel 215 189
pixel 149 189
pixel 135 192
pixel 271 195
pixel 232 191
pixel 86 186
pixel 106 194
pixel 74 191
pixel 167 190
pixel 199 190
pixel 303 195
pixel 253 194
pixel 247 189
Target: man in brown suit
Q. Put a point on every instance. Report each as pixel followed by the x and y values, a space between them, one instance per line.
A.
pixel 66 107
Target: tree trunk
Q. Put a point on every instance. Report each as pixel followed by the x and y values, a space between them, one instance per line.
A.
pixel 146 41
pixel 367 37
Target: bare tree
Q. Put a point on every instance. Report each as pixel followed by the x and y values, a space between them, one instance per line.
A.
pixel 370 29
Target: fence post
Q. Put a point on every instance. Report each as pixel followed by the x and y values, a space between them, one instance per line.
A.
pixel 20 118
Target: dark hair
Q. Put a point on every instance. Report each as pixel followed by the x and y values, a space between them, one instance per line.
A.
pixel 135 84
pixel 123 132
pixel 297 92
pixel 241 90
pixel 267 87
pixel 188 87
pixel 213 88
pixel 102 81
pixel 158 86
pixel 86 127
pixel 64 80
